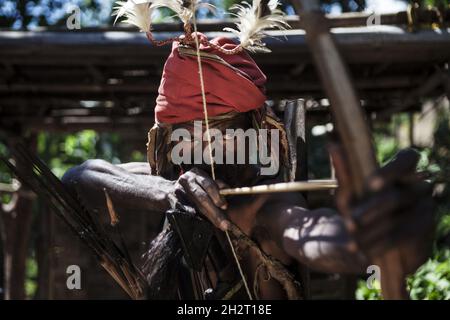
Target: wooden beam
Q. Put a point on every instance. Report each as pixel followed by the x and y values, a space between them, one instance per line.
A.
pixel 67 124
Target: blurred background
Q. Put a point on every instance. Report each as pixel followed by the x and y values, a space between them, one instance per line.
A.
pixel 75 87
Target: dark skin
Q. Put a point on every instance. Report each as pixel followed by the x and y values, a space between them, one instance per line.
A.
pixel 394 212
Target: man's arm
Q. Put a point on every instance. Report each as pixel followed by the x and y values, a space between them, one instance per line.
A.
pixel 128 185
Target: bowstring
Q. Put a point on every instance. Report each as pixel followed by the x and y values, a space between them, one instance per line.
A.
pixel 208 135
pixel 202 87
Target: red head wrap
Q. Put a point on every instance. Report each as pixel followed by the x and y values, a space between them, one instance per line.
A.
pixel 232 83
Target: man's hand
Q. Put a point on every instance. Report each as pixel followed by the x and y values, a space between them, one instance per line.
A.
pixel 201 190
pixel 397 211
pixel 198 188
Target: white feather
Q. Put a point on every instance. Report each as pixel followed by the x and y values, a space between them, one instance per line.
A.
pixel 174 5
pixel 185 10
pixel 251 28
pixel 273 4
pixel 136 12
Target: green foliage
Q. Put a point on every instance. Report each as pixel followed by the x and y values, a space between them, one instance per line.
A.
pixel 364 293
pixel 440 154
pixel 433 3
pixel 31 277
pixel 385 138
pixel 432 280
pixel 443 227
pixel 64 151
pixel 5 175
pixel 440 165
pixel 137 156
pixel 386 148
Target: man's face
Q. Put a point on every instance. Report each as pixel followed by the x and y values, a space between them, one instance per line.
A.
pixel 231 154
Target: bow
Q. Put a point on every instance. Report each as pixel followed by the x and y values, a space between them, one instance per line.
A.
pixel 351 126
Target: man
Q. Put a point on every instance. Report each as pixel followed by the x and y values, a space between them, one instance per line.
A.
pixel 396 211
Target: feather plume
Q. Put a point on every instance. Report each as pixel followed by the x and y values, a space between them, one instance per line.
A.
pixel 137 13
pixel 184 9
pixel 252 26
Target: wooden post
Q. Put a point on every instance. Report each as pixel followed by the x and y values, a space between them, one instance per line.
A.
pixel 295 123
pixel 16 227
pixel 17 221
pixel 2 254
pixel 44 253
